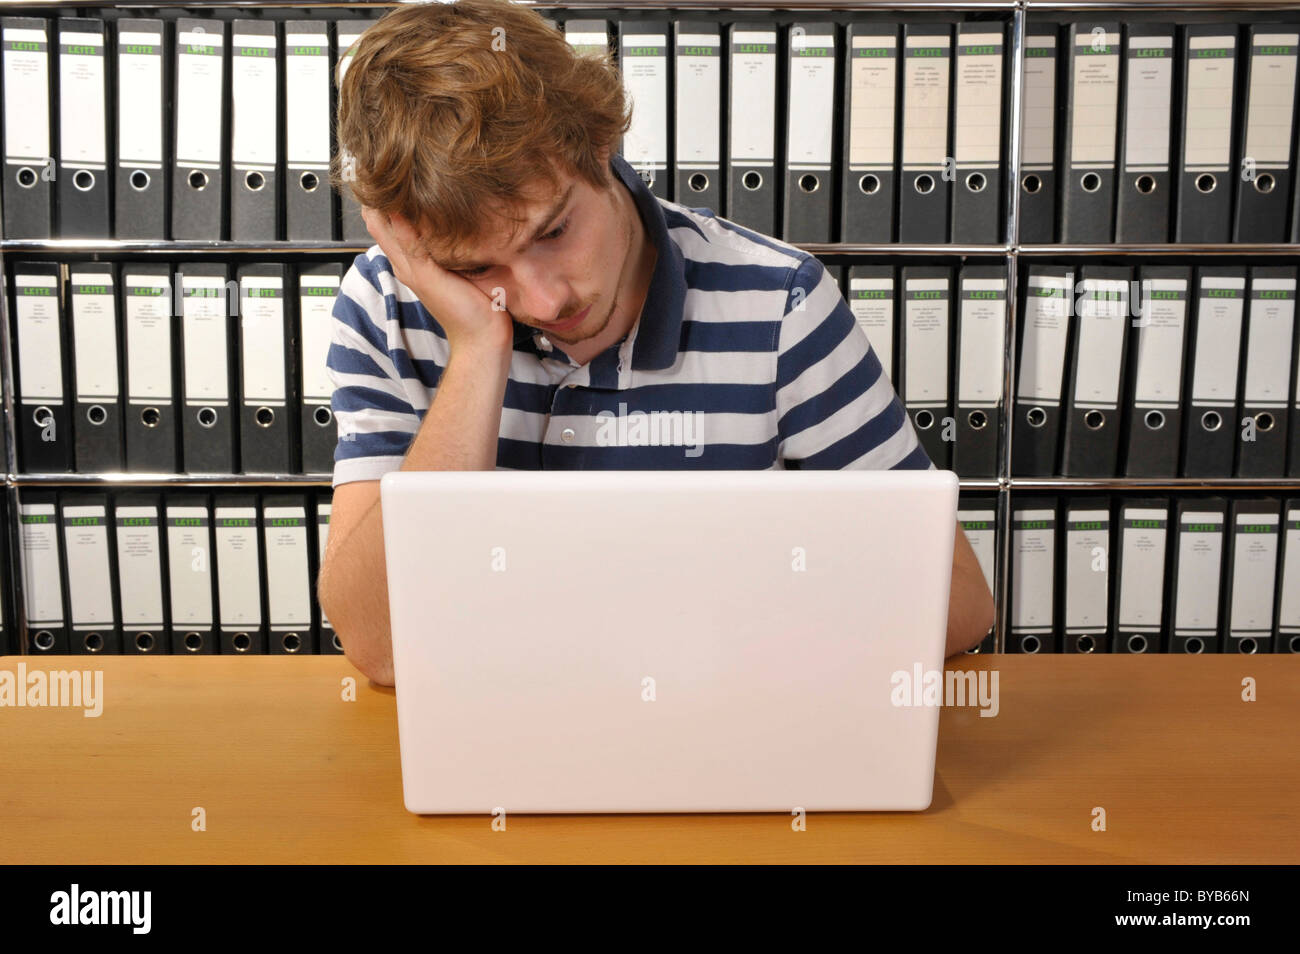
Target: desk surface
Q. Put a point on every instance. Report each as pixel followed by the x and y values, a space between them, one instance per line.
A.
pixel 288 772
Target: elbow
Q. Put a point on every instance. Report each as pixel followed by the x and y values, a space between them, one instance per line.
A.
pixel 970 620
pixel 369 653
pixel 376 667
pixel 983 615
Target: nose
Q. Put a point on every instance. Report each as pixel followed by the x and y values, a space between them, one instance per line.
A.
pixel 540 295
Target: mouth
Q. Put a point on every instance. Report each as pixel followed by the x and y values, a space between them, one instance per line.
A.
pixel 568 323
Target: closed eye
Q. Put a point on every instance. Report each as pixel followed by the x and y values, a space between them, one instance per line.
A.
pixel 479 270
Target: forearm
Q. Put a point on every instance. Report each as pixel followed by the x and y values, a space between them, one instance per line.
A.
pixel 459 432
pixel 461 427
pixel 353 593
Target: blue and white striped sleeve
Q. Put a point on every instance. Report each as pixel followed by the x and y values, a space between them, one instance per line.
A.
pixel 836 408
pixel 376 421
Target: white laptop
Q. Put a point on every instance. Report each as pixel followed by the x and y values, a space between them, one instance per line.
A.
pixel 666 641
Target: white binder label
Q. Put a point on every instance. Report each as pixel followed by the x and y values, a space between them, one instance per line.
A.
pixel 811 100
pixel 198 98
pixel 262 338
pixel 288 588
pixel 978 109
pixel 982 346
pixel 978 525
pixel 1200 553
pixel 585 43
pixel 139 82
pixel 189 567
pixel 1038 129
pixel 317 294
pixel 322 541
pixel 1207 127
pixel 206 350
pixel 255 98
pixel 345 41
pixel 238 570
pixel 42 580
pixel 1271 99
pixel 874 74
pixel 1094 105
pixel 872 302
pixel 645 77
pixel 1103 313
pixel 1142 566
pixel 1032 569
pixel 753 96
pixel 1160 343
pixel 94 336
pixel 925 102
pixel 40 340
pixel 925 365
pixel 82 119
pixel 1288 611
pixel 1148 103
pixel 90 587
pixel 1254 567
pixel 1087 532
pixel 148 338
pixel 1042 358
pixel 699 98
pixel 27 95
pixel 307 95
pixel 1218 341
pixel 139 566
pixel 1268 345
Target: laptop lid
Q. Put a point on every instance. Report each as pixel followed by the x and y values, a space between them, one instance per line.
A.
pixel 597 641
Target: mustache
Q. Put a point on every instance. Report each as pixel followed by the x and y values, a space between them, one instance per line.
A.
pixel 565 316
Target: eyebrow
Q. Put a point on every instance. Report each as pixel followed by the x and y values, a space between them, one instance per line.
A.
pixel 458 265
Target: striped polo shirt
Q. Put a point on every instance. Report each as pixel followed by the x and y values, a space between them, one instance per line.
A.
pixel 745 356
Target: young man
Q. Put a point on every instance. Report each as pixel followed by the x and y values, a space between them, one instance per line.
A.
pixel 529 304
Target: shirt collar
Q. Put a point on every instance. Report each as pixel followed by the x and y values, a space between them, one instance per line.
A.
pixel 658 330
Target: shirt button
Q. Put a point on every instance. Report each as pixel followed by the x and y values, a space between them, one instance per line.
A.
pixel 567 435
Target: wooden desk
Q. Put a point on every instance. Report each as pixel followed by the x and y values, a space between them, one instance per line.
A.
pixel 288 772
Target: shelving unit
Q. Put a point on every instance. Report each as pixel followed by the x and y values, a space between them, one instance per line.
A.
pixel 1015 14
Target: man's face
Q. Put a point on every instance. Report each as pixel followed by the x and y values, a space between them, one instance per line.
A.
pixel 561 273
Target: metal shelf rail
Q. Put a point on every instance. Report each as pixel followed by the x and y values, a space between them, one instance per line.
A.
pixel 1016 13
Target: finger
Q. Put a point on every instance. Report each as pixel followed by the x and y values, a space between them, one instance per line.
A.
pixel 407 236
pixel 376 225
